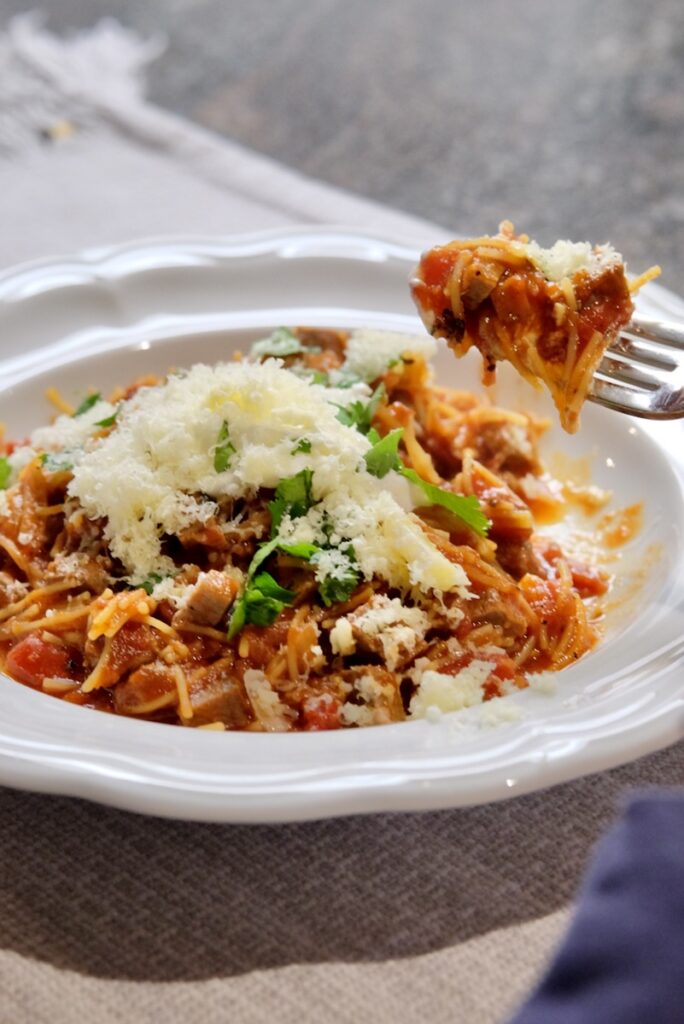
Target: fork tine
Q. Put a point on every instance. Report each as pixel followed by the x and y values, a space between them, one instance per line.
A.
pixel 642 372
pixel 659 332
pixel 621 397
pixel 618 367
pixel 639 350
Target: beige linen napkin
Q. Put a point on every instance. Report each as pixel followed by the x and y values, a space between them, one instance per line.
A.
pixel 109 917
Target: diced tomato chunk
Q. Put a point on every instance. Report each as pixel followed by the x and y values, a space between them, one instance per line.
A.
pixel 33 659
pixel 320 713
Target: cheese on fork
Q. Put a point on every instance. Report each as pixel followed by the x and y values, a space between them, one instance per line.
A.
pixel 155 472
pixel 564 258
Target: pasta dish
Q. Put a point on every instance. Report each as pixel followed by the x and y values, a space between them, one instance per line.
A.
pixel 316 535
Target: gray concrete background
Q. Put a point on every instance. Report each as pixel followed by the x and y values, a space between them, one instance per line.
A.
pixel 567 117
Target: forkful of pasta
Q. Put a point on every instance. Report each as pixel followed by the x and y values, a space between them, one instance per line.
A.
pixel 563 317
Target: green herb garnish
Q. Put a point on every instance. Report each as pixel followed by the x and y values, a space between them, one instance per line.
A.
pixel 56 462
pixel 281 343
pixel 265 599
pixel 384 455
pixel 340 587
pixel 360 414
pixel 150 582
pixel 262 600
pixel 108 421
pixel 292 497
pixel 88 403
pixel 224 451
pixel 5 472
pixel 303 445
pixel 467 509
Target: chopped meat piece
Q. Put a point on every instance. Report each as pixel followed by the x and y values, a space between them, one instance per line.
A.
pixel 150 688
pixel 209 535
pixel 217 694
pixel 209 599
pixel 134 645
pixel 517 557
pixel 374 696
pixel 389 629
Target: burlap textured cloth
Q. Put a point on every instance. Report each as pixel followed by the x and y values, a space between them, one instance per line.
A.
pixel 107 917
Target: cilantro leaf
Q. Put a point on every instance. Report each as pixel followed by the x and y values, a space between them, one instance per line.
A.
pixel 5 472
pixel 303 445
pixel 88 402
pixel 238 618
pixel 292 497
pixel 302 550
pixel 109 421
pixel 270 588
pixel 150 582
pixel 312 376
pixel 263 598
pixel 341 585
pixel 360 414
pixel 224 450
pixel 56 462
pixel 281 343
pixel 383 456
pixel 468 510
pixel 261 603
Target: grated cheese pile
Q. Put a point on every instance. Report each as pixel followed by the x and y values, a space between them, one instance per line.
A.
pixel 154 472
pixel 370 352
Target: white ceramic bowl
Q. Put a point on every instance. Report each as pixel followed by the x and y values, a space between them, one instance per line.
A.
pixel 109 316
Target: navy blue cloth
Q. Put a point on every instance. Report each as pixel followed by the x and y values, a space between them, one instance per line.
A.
pixel 622 960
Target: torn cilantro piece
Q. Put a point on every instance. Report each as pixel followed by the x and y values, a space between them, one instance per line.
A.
pixel 360 414
pixel 238 618
pixel 339 584
pixel 56 462
pixel 303 550
pixel 88 402
pixel 303 445
pixel 224 451
pixel 467 509
pixel 261 603
pixel 109 421
pixel 312 376
pixel 292 497
pixel 283 342
pixel 5 473
pixel 271 588
pixel 263 598
pixel 150 582
pixel 384 455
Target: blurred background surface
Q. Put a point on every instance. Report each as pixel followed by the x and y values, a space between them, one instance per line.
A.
pixel 567 118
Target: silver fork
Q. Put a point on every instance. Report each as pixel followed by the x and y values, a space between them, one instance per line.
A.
pixel 642 372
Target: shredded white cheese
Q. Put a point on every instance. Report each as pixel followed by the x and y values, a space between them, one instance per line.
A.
pixel 342 638
pixel 270 712
pixel 565 258
pixel 397 628
pixel 451 693
pixel 154 473
pixel 369 352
